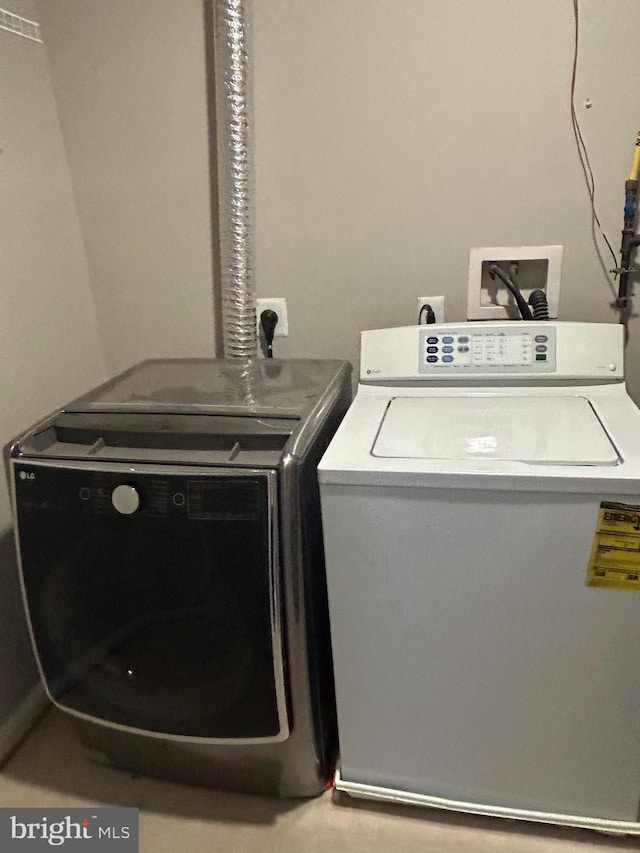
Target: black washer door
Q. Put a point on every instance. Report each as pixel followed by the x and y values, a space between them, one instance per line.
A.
pixel 153 597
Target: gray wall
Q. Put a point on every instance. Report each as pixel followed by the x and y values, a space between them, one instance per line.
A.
pixel 49 340
pixel 392 137
pixel 129 77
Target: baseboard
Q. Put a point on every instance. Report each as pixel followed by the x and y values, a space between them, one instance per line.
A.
pixel 21 721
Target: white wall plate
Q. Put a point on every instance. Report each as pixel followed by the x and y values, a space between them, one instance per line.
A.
pixel 492 301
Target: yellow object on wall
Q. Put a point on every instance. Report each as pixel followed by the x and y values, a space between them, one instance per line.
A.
pixel 634 174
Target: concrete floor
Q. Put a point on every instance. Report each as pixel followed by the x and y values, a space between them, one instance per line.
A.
pixel 50 770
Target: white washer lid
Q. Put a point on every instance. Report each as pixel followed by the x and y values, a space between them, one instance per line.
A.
pixel 542 430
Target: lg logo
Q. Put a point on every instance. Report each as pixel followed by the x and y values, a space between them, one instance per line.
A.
pixel 27 475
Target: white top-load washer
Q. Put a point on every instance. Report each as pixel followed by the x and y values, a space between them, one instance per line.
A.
pixel 481 513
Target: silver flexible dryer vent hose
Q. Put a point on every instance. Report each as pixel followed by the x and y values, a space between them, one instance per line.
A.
pixel 232 92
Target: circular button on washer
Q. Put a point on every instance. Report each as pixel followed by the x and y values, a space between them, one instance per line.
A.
pixel 125 499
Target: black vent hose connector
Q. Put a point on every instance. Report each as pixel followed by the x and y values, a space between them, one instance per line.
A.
pixel 538 302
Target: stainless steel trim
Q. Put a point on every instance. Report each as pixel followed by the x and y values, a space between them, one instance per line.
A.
pixel 393 795
pixel 277 637
pixel 23 591
pixel 323 408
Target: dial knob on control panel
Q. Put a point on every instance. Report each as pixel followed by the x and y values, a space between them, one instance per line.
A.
pixel 125 499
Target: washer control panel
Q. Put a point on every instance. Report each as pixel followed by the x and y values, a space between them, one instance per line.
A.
pixel 504 350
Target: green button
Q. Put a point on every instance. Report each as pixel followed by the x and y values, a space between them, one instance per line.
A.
pixel 541 356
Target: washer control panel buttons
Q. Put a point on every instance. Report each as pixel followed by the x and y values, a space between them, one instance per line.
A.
pixel 503 348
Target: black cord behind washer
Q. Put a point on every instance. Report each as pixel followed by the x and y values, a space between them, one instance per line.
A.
pixel 514 290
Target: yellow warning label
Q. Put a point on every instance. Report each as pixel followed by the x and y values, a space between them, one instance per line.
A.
pixel 615 553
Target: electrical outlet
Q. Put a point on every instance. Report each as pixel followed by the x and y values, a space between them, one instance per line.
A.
pixel 539 268
pixel 437 306
pixel 279 305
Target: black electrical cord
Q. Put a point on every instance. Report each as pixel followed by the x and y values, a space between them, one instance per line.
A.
pixel 269 321
pixel 431 317
pixel 514 290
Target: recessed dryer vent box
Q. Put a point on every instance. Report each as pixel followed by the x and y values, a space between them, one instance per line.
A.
pixel 539 267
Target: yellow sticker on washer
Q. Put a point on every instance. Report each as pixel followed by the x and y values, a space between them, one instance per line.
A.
pixel 615 553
